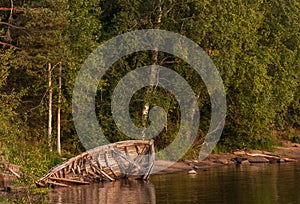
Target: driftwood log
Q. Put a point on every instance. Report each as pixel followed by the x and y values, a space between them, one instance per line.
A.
pixel 132 158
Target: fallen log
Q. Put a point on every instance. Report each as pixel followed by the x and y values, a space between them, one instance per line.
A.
pixel 263 155
pixel 271 157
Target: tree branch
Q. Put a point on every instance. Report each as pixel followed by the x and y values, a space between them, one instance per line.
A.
pixel 11 11
pixel 10 45
pixel 14 9
pixel 11 25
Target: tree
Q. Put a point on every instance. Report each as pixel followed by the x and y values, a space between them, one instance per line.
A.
pixel 239 37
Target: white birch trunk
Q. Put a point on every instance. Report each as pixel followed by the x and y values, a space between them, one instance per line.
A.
pixel 58 110
pixel 50 107
pixel 153 77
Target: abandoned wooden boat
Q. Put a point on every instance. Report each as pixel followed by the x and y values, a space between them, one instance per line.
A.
pixel 131 158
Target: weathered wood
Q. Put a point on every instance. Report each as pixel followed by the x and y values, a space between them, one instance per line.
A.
pixel 69 180
pixel 151 158
pixel 109 162
pixel 147 174
pixel 14 173
pixel 58 184
pixel 124 156
pixel 104 174
pixel 263 155
pixel 289 160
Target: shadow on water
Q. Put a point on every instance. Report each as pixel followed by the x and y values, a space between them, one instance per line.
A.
pixel 257 184
pixel 261 183
pixel 122 191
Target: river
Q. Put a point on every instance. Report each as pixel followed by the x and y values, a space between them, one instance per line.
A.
pixel 260 183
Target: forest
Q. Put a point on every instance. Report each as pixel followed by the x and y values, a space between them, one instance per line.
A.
pixel 254 44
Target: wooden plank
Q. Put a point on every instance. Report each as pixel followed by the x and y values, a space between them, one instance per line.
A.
pixel 151 159
pixel 120 164
pixel 63 173
pixel 108 164
pixel 95 176
pixel 103 173
pixel 137 160
pixel 118 153
pixel 69 180
pixel 147 174
pixel 137 149
pixel 58 184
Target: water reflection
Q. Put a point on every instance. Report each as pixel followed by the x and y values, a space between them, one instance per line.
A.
pixel 263 183
pixel 123 191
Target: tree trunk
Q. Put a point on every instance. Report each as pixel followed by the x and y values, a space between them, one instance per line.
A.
pixel 153 77
pixel 58 110
pixel 50 107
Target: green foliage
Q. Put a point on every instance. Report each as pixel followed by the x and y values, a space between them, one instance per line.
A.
pixel 250 43
pixel 254 45
pixel 14 137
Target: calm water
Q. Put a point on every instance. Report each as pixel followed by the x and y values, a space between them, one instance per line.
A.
pixel 263 183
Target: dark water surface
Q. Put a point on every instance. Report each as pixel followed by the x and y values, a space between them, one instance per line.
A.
pixel 261 183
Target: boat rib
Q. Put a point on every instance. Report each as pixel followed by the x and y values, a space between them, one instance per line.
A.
pixel 131 158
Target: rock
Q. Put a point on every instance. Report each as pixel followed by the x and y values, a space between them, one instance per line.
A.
pixel 280 160
pixel 245 162
pixel 272 160
pixel 196 167
pixel 258 160
pixel 192 172
pixel 222 161
pixel 231 162
pixel 240 160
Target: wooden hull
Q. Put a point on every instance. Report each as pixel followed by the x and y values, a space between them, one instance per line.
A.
pixel 131 158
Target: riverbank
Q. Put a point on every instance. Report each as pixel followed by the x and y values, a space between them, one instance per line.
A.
pixel 288 152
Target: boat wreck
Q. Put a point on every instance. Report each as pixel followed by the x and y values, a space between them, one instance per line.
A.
pixel 131 158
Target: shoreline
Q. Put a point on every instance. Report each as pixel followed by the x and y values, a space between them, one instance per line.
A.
pixel 288 152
